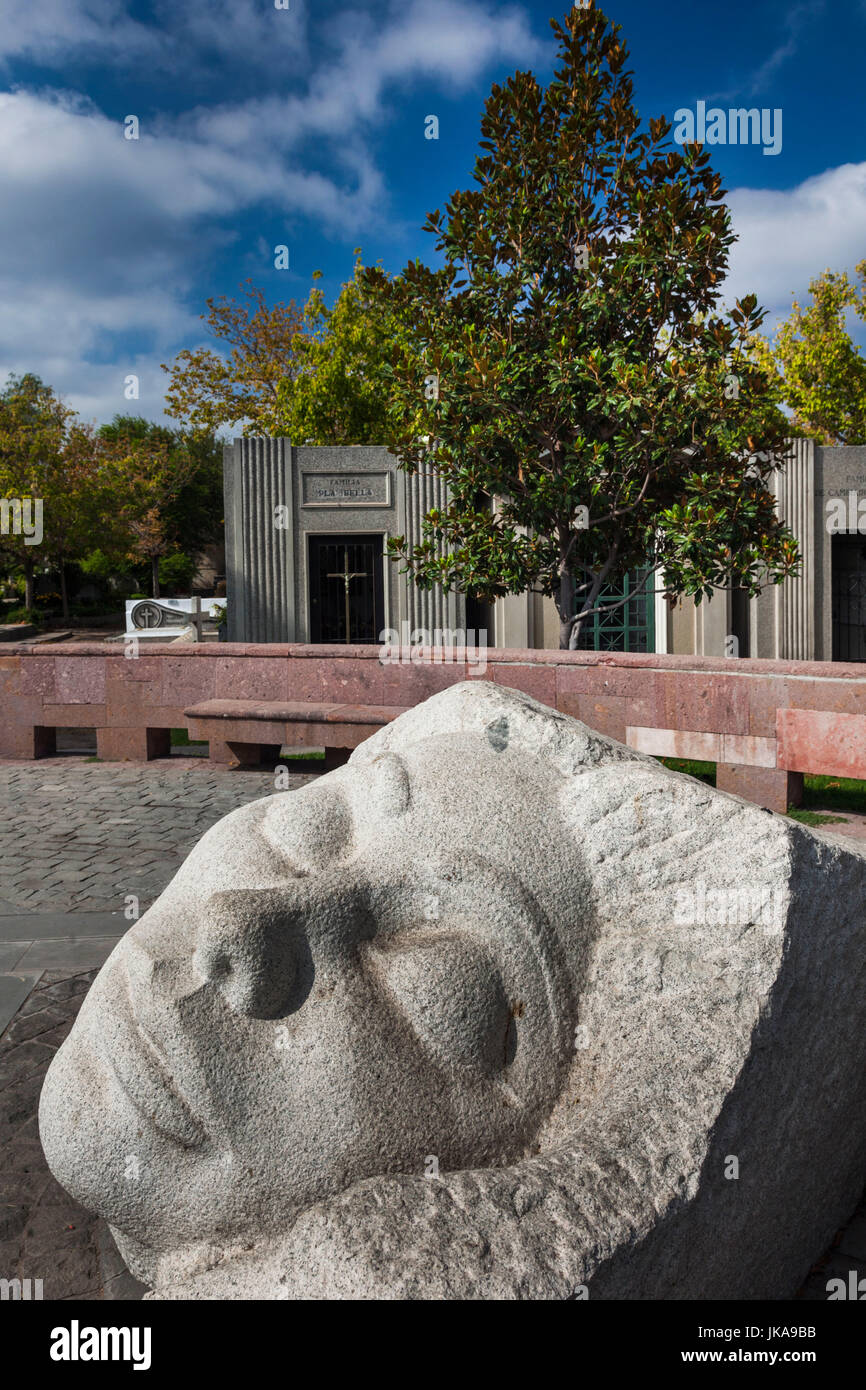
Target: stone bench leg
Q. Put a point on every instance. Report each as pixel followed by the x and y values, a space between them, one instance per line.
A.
pixel 219 752
pixel 229 751
pixel 772 787
pixel 132 745
pixel 44 742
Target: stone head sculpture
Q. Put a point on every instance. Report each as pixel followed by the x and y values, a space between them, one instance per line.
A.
pixel 442 1024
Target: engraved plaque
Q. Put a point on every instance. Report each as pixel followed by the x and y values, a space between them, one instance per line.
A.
pixel 346 490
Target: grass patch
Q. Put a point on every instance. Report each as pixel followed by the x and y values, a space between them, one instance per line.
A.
pixel 829 794
pixel 835 794
pixel 94 759
pixel 306 755
pixel 692 767
pixel 805 817
pixel 181 739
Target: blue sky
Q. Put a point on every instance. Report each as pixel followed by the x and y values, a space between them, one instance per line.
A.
pixel 305 127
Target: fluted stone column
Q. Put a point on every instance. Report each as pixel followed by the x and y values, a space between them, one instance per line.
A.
pixel 427 609
pixel 794 488
pixel 260 564
pixel 274 503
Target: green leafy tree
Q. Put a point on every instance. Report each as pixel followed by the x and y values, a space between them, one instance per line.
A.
pixel 75 514
pixel 176 571
pixel 146 469
pixel 820 372
pixel 260 348
pixel 588 407
pixel 340 392
pixel 34 428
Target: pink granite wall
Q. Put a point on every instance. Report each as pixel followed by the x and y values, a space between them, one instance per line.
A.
pixel 764 723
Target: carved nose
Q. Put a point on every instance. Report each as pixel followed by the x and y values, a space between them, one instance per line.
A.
pixel 252 949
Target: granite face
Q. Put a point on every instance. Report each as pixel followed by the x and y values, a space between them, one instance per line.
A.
pixel 500 1009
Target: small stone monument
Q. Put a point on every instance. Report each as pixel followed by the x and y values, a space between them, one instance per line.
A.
pixel 500 1009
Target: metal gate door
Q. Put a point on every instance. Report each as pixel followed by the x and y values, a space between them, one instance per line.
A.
pixel 346 589
pixel 849 598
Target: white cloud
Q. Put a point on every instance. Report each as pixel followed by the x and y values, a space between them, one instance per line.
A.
pixel 796 20
pixel 787 237
pixel 184 34
pixel 447 42
pixel 103 240
pixel 52 29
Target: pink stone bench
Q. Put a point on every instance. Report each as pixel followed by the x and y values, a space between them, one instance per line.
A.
pixel 254 731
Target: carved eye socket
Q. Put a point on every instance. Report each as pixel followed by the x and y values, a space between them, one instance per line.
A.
pixel 455 1001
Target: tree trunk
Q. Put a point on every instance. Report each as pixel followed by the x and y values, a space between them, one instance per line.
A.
pixel 574 635
pixel 566 610
pixel 154 576
pixel 64 595
pixel 588 605
pixel 28 583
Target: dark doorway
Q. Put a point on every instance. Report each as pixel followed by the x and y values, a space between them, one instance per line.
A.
pixel 479 622
pixel 849 598
pixel 346 589
pixel 740 622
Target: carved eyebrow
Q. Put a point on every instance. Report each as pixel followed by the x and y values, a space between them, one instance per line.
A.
pixel 311 841
pixel 388 782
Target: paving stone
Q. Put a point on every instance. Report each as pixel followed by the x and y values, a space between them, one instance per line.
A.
pixel 10 953
pixel 14 989
pixel 25 1026
pixel 72 955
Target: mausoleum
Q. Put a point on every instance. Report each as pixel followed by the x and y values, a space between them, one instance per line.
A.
pixel 306 537
pixel 306 561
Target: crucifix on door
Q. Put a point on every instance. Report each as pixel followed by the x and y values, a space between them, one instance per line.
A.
pixel 347 578
pixel 346 588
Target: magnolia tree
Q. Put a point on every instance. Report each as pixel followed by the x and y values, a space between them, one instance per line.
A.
pixel 590 410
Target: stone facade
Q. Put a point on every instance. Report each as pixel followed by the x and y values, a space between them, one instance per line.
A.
pixel 360 492
pixel 280 499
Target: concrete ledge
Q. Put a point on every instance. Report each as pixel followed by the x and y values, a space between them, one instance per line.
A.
pixel 675 743
pixel 248 698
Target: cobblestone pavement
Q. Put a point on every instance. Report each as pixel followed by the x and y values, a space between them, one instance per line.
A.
pixel 80 836
pixel 44 1234
pixel 75 839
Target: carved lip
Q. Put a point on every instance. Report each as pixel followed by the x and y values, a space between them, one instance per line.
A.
pixel 144 1074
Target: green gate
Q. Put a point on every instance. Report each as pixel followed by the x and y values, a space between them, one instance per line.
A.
pixel 628 628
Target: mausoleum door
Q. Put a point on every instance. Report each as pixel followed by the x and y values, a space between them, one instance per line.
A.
pixel 849 597
pixel 346 589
